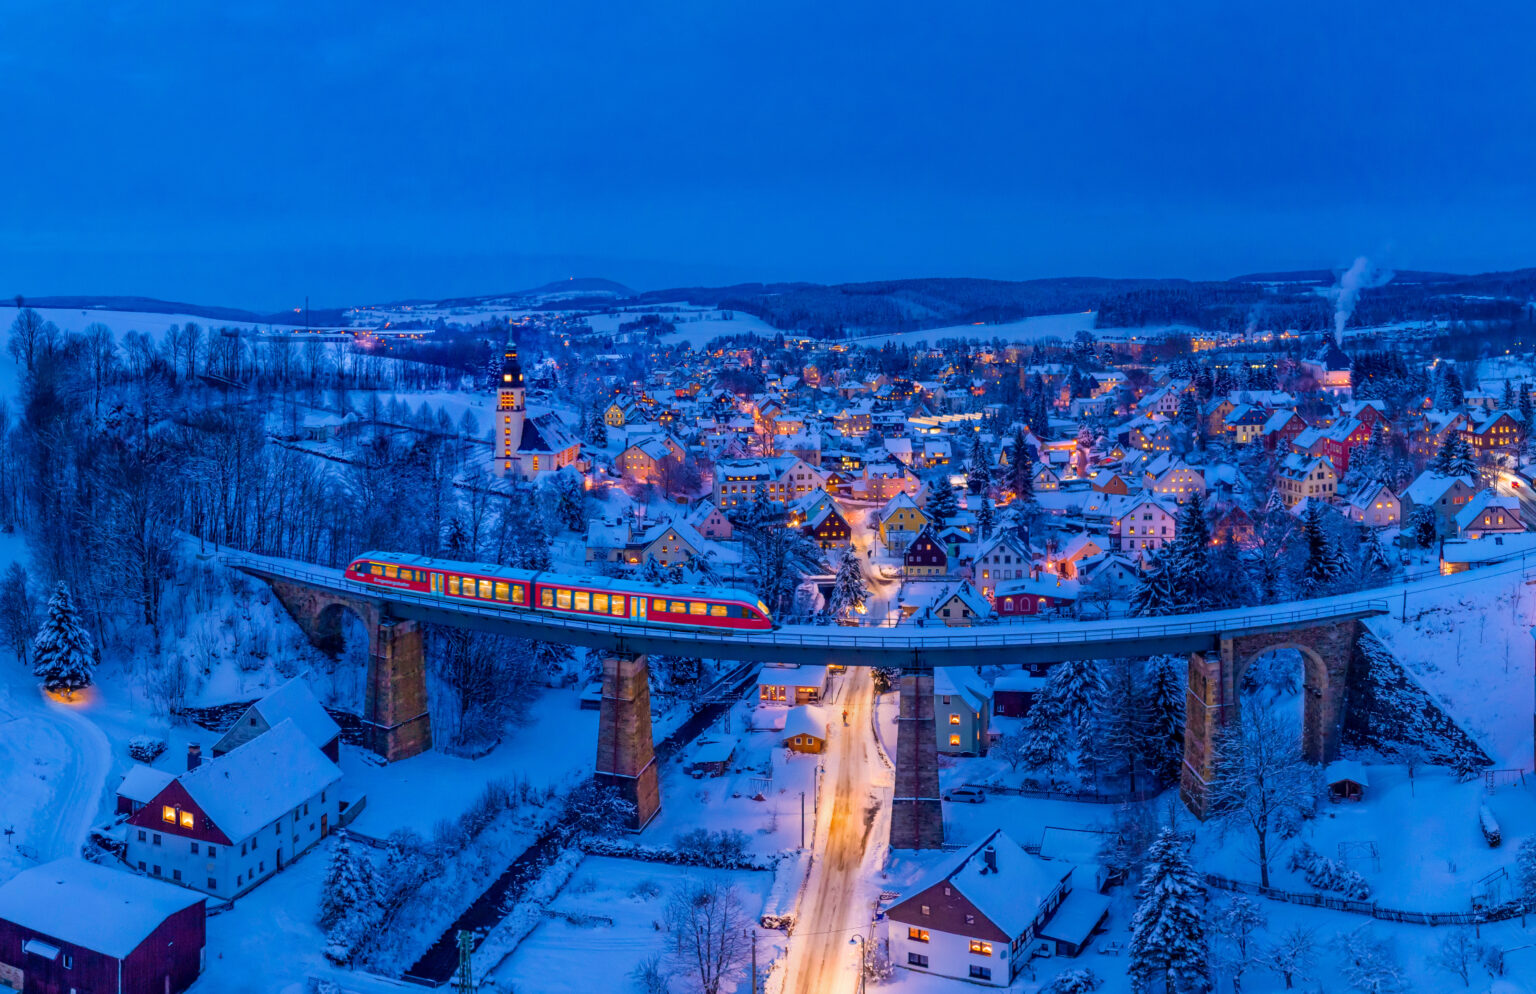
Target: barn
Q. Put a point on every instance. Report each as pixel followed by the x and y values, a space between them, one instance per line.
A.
pixel 71 925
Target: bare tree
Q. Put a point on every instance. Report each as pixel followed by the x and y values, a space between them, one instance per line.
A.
pixel 1237 923
pixel 1261 779
pixel 1456 952
pixel 709 932
pixel 1290 956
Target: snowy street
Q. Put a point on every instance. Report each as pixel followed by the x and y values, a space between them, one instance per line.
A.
pixel 835 905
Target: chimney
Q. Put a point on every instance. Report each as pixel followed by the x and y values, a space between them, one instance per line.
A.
pixel 194 755
pixel 990 855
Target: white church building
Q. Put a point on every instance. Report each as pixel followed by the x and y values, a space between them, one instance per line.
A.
pixel 527 448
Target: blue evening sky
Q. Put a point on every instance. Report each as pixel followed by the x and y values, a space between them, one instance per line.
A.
pixel 248 153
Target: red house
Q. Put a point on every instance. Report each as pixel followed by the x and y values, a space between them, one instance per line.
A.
pixel 1340 438
pixel 1281 430
pixel 70 925
pixel 1034 595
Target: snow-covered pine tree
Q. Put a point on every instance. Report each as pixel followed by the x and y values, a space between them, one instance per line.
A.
pixel 1423 525
pixel 1156 590
pixel 1112 742
pixel 597 428
pixel 1045 741
pixel 1188 557
pixel 1446 457
pixel 1074 690
pixel 1508 402
pixel 1021 469
pixel 1160 728
pixel 978 473
pixel 1168 929
pixel 1321 564
pixel 1463 463
pixel 1372 567
pixel 942 504
pixel 62 653
pixel 849 588
pixel 986 516
pixel 350 887
pixel 456 541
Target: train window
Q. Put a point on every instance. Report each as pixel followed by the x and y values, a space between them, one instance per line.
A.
pixel 517 594
pixel 718 611
pixel 660 605
pixel 583 601
pixel 453 585
pixel 547 597
pixel 617 606
pixel 485 589
pixel 563 599
pixel 407 574
pixel 503 591
pixel 678 607
pixel 696 607
pixel 391 571
pixel 600 603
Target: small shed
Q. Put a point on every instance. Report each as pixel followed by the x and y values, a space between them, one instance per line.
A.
pixel 1347 780
pixel 140 785
pixel 805 729
pixel 713 756
pixel 1014 693
pixel 1075 921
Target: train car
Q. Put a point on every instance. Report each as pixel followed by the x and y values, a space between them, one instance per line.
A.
pixel 595 598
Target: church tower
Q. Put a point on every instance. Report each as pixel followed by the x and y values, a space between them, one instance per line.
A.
pixel 510 413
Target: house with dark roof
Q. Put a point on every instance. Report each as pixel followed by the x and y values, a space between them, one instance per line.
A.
pixel 293 700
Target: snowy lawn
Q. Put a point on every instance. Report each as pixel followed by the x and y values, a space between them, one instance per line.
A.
pixel 615 909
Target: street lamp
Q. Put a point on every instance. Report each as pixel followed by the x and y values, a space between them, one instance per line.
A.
pixel 859 938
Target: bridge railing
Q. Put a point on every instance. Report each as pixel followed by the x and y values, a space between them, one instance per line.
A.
pixel 818 636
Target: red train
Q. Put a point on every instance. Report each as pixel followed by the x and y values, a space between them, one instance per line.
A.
pixel 596 598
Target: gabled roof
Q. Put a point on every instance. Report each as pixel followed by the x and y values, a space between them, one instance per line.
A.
pixel 968 595
pixel 1010 898
pixel 141 783
pixel 295 700
pixel 253 785
pixel 1044 585
pixel 963 682
pixel 1484 500
pixel 1430 486
pixel 108 911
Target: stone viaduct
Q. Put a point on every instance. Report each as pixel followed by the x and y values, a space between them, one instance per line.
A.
pixel 1219 646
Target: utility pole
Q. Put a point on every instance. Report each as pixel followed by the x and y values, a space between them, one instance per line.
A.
pixel 802 825
pixel 752 935
pixel 466 962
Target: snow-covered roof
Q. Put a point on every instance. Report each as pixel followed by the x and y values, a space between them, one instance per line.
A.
pixel 806 719
pixel 1485 500
pixel 792 676
pixel 715 750
pixel 141 783
pixel 294 700
pixel 1011 896
pixel 1023 681
pixel 1077 916
pixel 1431 486
pixel 1347 769
pixel 252 786
pixel 108 911
pixel 962 682
pixel 1044 585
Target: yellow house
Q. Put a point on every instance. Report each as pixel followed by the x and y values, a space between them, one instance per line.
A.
pixel 900 521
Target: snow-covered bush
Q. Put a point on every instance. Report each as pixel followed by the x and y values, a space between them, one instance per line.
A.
pixel 1327 874
pixel 1525 869
pixel 146 748
pixel 1074 982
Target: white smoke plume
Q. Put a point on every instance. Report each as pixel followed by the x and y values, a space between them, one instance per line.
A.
pixel 1361 275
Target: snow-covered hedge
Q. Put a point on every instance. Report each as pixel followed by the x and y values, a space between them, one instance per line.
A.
pixel 526 914
pixel 713 855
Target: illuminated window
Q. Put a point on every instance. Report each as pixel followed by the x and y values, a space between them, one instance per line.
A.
pixel 917 934
pixel 659 605
pixel 391 571
pixel 717 610
pixel 547 597
pixel 981 948
pixel 563 599
pixel 679 607
pixel 168 815
pixel 453 585
pixel 954 719
pixel 696 607
pixel 583 601
pixel 600 603
pixel 485 589
pixel 616 606
pixel 188 820
pixel 503 590
pixel 518 594
pixel 954 740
